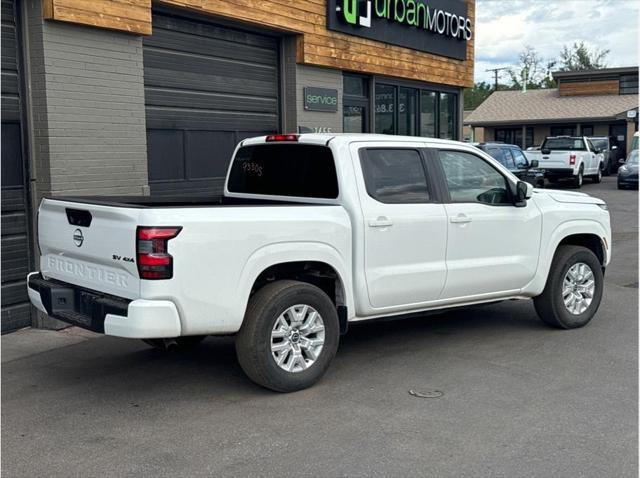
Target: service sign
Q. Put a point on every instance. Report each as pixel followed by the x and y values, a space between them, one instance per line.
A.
pixel 320 99
pixel 440 27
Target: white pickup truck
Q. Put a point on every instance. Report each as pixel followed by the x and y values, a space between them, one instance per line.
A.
pixel 311 233
pixel 569 157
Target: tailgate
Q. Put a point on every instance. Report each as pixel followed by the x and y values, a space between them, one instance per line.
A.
pixel 92 246
pixel 555 160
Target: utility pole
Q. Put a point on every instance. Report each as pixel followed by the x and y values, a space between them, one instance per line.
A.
pixel 495 72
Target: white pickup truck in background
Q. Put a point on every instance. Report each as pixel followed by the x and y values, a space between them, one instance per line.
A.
pixel 569 157
pixel 313 232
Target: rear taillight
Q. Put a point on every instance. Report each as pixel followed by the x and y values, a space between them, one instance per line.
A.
pixel 272 138
pixel 572 159
pixel 154 260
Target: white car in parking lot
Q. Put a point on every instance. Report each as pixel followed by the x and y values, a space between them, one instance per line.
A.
pixel 568 157
pixel 314 232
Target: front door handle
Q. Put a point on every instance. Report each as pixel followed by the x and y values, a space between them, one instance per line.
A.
pixel 380 222
pixel 460 219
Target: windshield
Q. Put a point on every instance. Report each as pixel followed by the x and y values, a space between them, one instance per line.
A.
pixel 601 144
pixel 633 157
pixel 634 143
pixel 564 144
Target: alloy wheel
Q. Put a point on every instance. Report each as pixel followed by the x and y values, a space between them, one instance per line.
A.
pixel 297 338
pixel 578 288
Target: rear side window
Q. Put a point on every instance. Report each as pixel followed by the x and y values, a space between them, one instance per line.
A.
pixel 395 176
pixel 299 170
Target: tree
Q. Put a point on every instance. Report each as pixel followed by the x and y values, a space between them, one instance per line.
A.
pixel 579 57
pixel 473 97
pixel 531 70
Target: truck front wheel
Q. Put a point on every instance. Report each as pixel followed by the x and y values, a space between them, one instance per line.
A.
pixel 574 288
pixel 289 336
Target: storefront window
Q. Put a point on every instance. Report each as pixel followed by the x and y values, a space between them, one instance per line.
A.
pixel 563 131
pixel 355 104
pixel 428 113
pixel 407 110
pixel 385 109
pixel 447 115
pixel 514 136
pixel 415 112
pixel 354 119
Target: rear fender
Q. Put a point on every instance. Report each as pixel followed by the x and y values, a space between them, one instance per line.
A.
pixel 281 253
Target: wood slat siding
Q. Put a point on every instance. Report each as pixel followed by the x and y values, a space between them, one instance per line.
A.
pixel 316 45
pixel 132 16
pixel 582 88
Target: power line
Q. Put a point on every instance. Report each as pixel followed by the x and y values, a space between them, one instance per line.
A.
pixel 495 72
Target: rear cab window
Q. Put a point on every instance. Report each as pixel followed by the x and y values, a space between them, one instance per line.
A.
pixel 289 169
pixel 564 144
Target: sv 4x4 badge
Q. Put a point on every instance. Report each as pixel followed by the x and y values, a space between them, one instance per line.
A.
pixel 116 257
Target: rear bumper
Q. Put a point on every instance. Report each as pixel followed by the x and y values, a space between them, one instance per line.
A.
pixel 558 173
pixel 138 319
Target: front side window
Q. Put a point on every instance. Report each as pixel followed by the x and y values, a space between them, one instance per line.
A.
pixel 502 156
pixel 471 179
pixel 520 158
pixel 395 176
pixel 299 170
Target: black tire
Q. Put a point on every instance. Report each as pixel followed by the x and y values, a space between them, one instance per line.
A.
pixel 253 342
pixel 177 344
pixel 550 304
pixel 578 179
pixel 597 178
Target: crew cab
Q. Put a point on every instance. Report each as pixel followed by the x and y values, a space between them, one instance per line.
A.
pixel 314 232
pixel 569 157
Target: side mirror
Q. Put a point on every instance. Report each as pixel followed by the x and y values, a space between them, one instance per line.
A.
pixel 534 163
pixel 524 191
pixel 621 161
pixel 545 151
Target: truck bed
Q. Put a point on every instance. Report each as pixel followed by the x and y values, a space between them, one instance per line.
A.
pixel 143 202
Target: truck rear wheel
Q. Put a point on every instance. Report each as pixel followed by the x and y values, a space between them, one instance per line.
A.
pixel 578 178
pixel 574 288
pixel 289 336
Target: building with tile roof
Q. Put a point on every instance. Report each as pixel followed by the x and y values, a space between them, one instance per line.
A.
pixel 590 103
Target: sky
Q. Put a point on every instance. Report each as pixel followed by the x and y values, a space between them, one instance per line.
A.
pixel 504 27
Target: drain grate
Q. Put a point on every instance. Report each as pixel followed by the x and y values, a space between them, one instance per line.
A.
pixel 426 394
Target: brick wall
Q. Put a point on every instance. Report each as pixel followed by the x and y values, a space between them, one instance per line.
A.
pixel 88 119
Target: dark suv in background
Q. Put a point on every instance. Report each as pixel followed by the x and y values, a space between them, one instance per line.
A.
pixel 609 147
pixel 512 157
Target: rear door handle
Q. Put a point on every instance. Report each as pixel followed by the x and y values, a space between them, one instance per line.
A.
pixel 380 222
pixel 460 219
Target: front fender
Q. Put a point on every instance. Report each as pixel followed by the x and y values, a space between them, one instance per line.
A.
pixel 547 252
pixel 283 252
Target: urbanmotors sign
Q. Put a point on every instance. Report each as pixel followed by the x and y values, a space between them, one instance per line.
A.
pixel 434 26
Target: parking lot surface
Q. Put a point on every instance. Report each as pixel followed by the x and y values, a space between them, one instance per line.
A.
pixel 513 397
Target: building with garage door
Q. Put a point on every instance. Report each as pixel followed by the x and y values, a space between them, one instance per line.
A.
pixel 110 97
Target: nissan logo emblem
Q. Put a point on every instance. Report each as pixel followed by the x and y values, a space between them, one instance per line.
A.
pixel 78 238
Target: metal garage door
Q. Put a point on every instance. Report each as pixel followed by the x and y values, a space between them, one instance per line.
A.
pixel 16 311
pixel 206 88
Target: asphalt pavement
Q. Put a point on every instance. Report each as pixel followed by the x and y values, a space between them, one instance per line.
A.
pixel 497 394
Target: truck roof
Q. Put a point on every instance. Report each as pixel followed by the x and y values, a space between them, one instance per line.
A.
pixel 347 138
